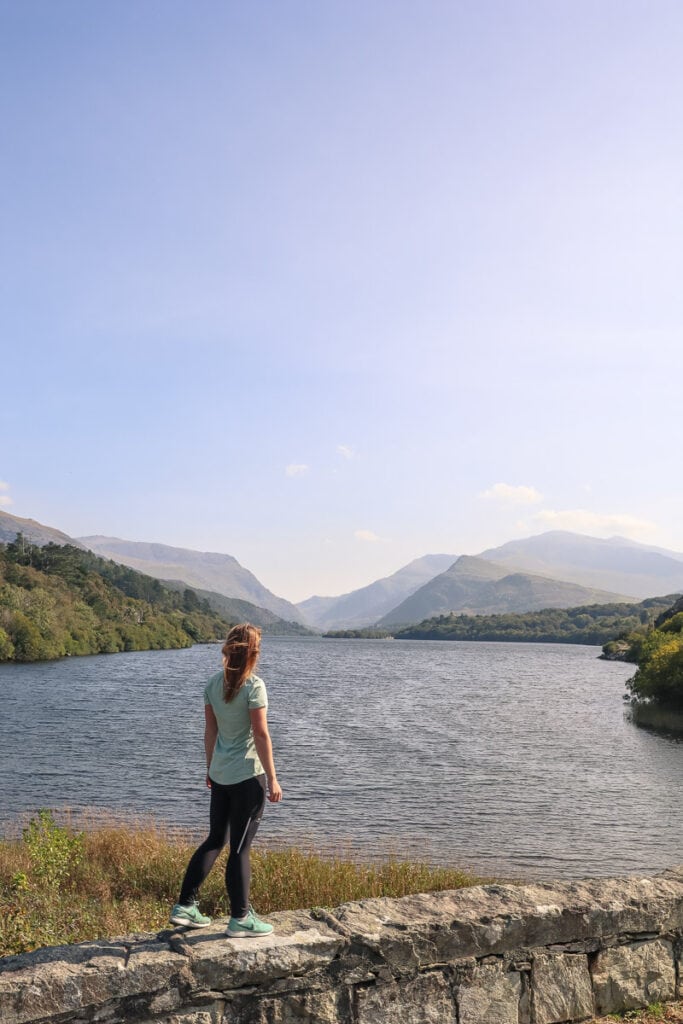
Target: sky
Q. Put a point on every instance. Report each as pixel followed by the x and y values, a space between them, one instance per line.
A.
pixel 329 286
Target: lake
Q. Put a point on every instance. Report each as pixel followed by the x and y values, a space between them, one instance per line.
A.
pixel 510 759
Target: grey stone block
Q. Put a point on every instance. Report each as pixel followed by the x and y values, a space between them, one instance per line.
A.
pixel 328 1007
pixel 492 996
pixel 224 965
pixel 628 977
pixel 417 931
pixel 190 1015
pixel 561 988
pixel 422 999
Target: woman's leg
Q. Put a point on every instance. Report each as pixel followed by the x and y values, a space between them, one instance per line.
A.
pixel 204 858
pixel 247 802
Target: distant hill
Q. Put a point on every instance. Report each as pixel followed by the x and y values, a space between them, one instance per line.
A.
pixel 59 600
pixel 201 570
pixel 34 531
pixel 364 606
pixel 476 586
pixel 616 564
pixel 234 610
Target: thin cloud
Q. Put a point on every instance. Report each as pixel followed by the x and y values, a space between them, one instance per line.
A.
pixel 582 520
pixel 297 469
pixel 5 499
pixel 368 536
pixel 513 495
pixel 346 451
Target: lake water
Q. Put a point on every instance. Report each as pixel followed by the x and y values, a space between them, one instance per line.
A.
pixel 510 759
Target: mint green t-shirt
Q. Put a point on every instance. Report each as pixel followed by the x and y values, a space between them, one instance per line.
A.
pixel 234 756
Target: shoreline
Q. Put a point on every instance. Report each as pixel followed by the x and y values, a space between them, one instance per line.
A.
pixel 60 884
pixel 295 636
pixel 658 719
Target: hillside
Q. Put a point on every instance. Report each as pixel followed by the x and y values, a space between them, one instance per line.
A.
pixel 234 610
pixel 202 570
pixel 616 567
pixel 59 600
pixel 233 607
pixel 367 604
pixel 617 564
pixel 32 530
pixel 476 586
pixel 587 624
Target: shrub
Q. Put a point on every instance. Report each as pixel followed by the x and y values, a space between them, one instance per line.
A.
pixel 660 670
pixel 54 852
pixel 6 646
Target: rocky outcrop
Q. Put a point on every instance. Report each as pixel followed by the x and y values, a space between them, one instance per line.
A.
pixel 497 954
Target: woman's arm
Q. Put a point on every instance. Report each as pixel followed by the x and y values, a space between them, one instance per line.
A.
pixel 264 749
pixel 210 734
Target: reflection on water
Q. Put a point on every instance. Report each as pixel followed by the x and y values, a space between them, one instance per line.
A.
pixel 513 759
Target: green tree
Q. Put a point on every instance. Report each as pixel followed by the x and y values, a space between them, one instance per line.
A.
pixel 660 671
pixel 28 645
pixel 659 677
pixel 59 600
pixel 6 646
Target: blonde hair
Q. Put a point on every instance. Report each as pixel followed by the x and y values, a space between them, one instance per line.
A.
pixel 240 654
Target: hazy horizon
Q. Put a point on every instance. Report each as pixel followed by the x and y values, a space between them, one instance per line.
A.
pixel 296 599
pixel 330 287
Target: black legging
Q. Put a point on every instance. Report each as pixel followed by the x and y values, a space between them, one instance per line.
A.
pixel 236 809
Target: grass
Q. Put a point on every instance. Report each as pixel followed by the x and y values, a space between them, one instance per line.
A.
pixel 656 1013
pixel 77 879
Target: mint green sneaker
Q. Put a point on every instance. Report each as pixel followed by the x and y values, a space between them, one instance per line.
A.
pixel 249 927
pixel 189 916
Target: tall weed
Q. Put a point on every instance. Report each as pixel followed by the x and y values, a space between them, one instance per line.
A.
pixel 75 880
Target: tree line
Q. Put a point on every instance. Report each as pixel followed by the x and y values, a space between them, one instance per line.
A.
pixel 658 654
pixel 585 624
pixel 60 600
pixel 364 633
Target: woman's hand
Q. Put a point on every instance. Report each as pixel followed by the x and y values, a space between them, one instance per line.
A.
pixel 274 791
pixel 208 781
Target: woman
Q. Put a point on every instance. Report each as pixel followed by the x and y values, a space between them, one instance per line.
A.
pixel 239 773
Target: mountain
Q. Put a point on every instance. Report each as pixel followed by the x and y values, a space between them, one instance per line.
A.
pixel 366 605
pixel 202 570
pixel 235 610
pixel 476 586
pixel 616 564
pixel 38 534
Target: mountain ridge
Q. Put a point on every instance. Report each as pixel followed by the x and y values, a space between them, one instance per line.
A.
pixel 615 568
pixel 475 586
pixel 634 570
pixel 366 604
pixel 34 531
pixel 236 610
pixel 203 570
pixel 616 564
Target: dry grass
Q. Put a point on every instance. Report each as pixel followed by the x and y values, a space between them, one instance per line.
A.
pixel 90 878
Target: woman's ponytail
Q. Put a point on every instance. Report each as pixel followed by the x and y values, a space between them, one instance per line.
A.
pixel 240 654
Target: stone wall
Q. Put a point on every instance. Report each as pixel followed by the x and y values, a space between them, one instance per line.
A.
pixel 496 954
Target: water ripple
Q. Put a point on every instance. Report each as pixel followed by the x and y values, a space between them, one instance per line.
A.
pixel 510 758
